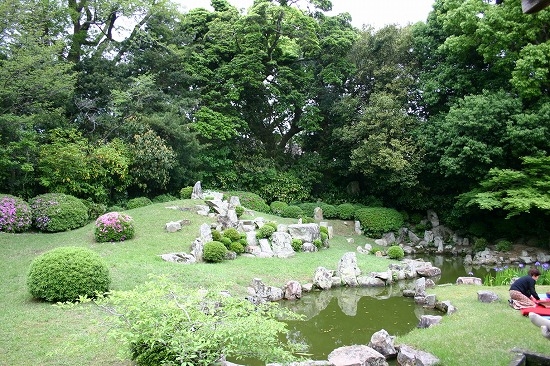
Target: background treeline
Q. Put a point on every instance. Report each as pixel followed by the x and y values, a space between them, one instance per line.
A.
pixel 294 105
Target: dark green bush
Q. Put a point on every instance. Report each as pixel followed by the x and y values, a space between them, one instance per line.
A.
pixel 53 212
pixel 114 226
pixel 226 242
pixel 164 198
pixel 376 221
pixel 297 244
pixel 265 232
pixel 216 235
pixel 504 245
pixel 291 211
pixel 66 273
pixel 95 209
pixel 185 193
pixel 237 247
pixel 395 252
pixel 308 208
pixel 329 211
pixel 345 211
pixel 214 252
pixel 480 244
pixel 15 214
pixel 138 202
pixel 250 200
pixel 277 207
pixel 232 234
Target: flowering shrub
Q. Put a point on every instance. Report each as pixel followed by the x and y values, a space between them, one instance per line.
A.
pixel 55 212
pixel 114 226
pixel 505 275
pixel 15 214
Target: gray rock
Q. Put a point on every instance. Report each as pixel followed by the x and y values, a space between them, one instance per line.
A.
pixel 356 355
pixel 348 270
pixel 409 356
pixel 427 321
pixel 469 281
pixel 487 296
pixel 322 278
pixel 383 343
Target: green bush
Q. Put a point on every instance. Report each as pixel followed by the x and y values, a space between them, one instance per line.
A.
pixel 323 229
pixel 376 221
pixel 237 247
pixel 318 243
pixel 265 232
pixel 232 234
pixel 345 211
pixel 216 235
pixel 54 212
pixel 164 198
pixel 115 208
pixel 277 207
pixel 297 244
pixel 66 273
pixel 239 210
pixel 95 209
pixel 185 193
pixel 114 226
pixel 324 237
pixel 480 244
pixel 395 252
pixel 329 211
pixel 292 211
pixel 273 224
pixel 307 220
pixel 15 214
pixel 138 202
pixel 226 242
pixel 165 323
pixel 250 200
pixel 504 245
pixel 308 208
pixel 214 252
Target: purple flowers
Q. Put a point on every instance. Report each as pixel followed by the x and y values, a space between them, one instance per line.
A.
pixel 15 214
pixel 114 226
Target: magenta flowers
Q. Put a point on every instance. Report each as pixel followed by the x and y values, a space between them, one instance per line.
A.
pixel 15 214
pixel 114 226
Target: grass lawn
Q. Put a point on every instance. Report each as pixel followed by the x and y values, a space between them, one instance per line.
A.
pixel 37 333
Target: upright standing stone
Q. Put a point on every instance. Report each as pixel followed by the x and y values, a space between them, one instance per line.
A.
pixel 197 191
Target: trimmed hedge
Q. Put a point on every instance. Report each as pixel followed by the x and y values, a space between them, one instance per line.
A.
pixel 376 221
pixel 54 212
pixel 138 202
pixel 346 211
pixel 66 273
pixel 293 212
pixel 214 252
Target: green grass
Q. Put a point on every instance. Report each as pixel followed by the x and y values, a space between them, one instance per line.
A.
pixel 37 333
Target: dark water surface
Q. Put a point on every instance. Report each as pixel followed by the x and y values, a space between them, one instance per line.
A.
pixel 347 316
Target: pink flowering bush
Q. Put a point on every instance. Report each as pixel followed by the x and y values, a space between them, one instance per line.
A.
pixel 15 214
pixel 114 226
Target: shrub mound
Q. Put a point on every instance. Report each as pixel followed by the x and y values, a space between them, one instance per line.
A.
pixel 376 221
pixel 214 252
pixel 65 273
pixel 395 252
pixel 138 202
pixel 15 214
pixel 54 212
pixel 250 200
pixel 346 211
pixel 292 211
pixel 185 192
pixel 114 226
pixel 277 207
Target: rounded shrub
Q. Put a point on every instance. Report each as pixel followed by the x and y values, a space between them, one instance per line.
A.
pixel 232 234
pixel 265 232
pixel 53 212
pixel 345 211
pixel 185 193
pixel 307 220
pixel 239 210
pixel 395 252
pixel 308 208
pixel 292 211
pixel 480 244
pixel 15 214
pixel 237 247
pixel 277 207
pixel 138 202
pixel 250 200
pixel 226 242
pixel 162 198
pixel 273 224
pixel 66 273
pixel 323 229
pixel 297 244
pixel 95 209
pixel 216 235
pixel 318 243
pixel 114 226
pixel 214 252
pixel 329 211
pixel 504 245
pixel 376 221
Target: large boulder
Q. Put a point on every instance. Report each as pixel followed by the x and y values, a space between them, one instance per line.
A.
pixel 307 232
pixel 348 270
pixel 356 355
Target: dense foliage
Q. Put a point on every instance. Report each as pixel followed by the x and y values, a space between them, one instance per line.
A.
pixel 214 251
pixel 286 102
pixel 53 212
pixel 376 221
pixel 67 273
pixel 15 214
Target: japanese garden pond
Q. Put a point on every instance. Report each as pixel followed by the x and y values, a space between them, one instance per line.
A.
pixel 350 315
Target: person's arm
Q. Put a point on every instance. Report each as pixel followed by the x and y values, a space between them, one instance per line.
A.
pixel 532 289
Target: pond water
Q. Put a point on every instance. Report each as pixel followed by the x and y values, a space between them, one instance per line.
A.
pixel 347 316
